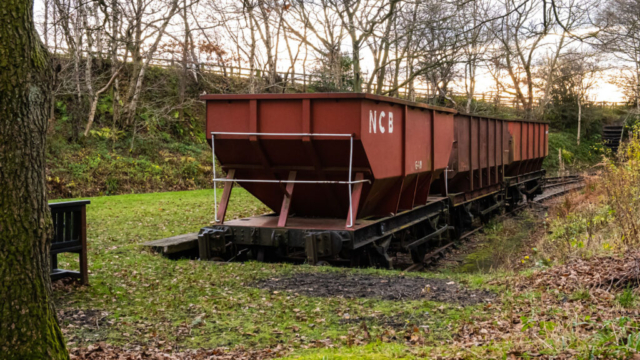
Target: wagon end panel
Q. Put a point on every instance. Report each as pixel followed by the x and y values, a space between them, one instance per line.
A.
pixel 531 147
pixel 382 128
pixel 492 152
pixel 516 147
pixel 458 178
pixel 418 141
pixel 462 160
pixel 418 157
pixel 507 152
pixel 546 140
pixel 542 134
pixel 443 135
pixel 515 144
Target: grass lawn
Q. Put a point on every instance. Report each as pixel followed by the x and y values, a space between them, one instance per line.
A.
pixel 144 298
pixel 137 297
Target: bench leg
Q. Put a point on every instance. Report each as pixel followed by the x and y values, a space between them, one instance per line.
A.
pixel 84 269
pixel 54 261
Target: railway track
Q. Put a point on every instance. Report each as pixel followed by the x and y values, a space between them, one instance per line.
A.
pixel 554 187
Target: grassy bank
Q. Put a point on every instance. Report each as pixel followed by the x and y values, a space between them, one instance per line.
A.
pixel 576 158
pixel 162 147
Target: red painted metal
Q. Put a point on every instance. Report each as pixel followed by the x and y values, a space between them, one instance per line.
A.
pixel 226 195
pixel 286 201
pixel 401 147
pixel 528 146
pixel 395 148
pixel 487 149
pixel 478 154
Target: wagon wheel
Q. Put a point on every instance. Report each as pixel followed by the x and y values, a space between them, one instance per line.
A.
pixel 260 254
pixel 418 253
pixel 516 196
pixel 378 254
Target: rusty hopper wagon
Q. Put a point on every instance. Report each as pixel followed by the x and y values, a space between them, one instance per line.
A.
pixel 356 178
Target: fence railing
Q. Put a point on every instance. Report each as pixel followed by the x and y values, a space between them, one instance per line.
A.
pixel 292 81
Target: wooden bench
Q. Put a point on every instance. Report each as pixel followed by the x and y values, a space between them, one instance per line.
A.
pixel 69 236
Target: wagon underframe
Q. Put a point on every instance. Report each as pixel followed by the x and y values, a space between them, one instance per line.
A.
pixel 321 239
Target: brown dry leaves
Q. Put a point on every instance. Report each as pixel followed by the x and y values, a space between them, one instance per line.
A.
pixel 531 323
pixel 103 351
pixel 601 274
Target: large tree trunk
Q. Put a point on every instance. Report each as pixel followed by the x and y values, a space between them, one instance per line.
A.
pixel 29 328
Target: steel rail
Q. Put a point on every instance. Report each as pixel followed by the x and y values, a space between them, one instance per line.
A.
pixel 574 185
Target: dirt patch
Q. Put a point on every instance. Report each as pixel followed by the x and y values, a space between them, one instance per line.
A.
pixel 66 285
pixel 351 286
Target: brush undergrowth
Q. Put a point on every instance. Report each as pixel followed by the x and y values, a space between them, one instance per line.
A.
pixel 575 157
pixel 503 245
pixel 603 217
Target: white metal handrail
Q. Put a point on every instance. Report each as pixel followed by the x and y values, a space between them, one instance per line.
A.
pixel 349 181
pixel 295 181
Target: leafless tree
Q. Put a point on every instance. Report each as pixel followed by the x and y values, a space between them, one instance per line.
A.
pixel 323 33
pixel 157 32
pixel 520 34
pixel 474 19
pixel 580 69
pixel 619 34
pixel 361 18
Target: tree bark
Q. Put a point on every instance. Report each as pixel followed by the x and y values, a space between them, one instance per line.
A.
pixel 133 105
pixel 114 61
pixel 182 88
pixel 29 327
pixel 94 102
